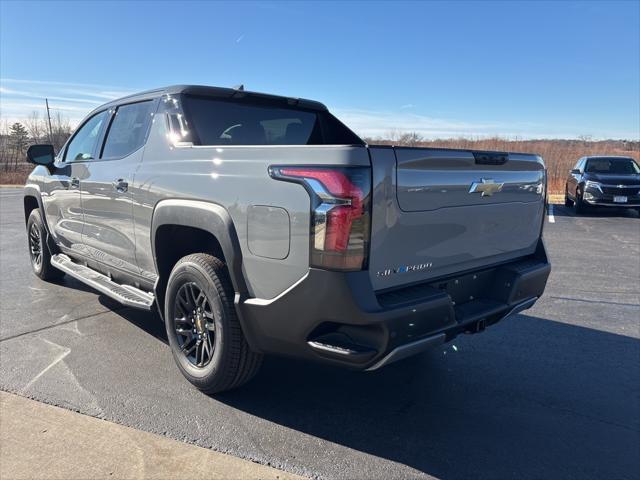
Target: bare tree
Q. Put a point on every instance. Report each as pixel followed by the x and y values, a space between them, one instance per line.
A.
pixel 60 129
pixel 5 150
pixel 410 139
pixel 36 127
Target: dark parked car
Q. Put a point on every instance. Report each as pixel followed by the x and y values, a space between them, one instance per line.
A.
pixel 603 182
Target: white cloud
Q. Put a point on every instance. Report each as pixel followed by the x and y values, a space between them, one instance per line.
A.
pixel 19 98
pixel 371 123
pixel 381 124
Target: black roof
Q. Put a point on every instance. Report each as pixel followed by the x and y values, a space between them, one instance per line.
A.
pixel 219 92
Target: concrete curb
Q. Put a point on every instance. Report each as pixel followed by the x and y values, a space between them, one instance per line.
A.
pixel 43 441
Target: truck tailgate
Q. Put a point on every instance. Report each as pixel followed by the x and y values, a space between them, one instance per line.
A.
pixel 438 212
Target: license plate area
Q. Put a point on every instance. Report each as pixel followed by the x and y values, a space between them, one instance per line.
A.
pixel 619 199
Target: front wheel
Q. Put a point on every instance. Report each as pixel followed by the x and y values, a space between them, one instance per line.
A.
pixel 38 251
pixel 581 206
pixel 203 330
pixel 567 201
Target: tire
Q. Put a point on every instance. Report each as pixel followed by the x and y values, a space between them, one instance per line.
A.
pixel 581 206
pixel 38 251
pixel 567 201
pixel 202 326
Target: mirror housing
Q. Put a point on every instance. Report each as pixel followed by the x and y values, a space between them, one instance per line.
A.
pixel 41 155
pixel 575 171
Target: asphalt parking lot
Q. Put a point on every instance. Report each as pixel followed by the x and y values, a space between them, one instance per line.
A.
pixel 550 393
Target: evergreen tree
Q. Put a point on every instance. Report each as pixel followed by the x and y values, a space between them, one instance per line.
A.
pixel 18 139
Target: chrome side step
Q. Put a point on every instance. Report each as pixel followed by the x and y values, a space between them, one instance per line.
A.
pixel 125 294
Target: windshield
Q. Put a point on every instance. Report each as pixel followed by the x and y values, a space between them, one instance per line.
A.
pixel 612 166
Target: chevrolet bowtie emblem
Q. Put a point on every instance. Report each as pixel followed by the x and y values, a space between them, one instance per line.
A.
pixel 487 186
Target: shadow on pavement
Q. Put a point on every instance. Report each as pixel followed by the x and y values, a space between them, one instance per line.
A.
pixel 531 398
pixel 149 322
pixel 544 400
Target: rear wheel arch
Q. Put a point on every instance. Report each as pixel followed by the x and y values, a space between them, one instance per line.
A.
pixel 183 227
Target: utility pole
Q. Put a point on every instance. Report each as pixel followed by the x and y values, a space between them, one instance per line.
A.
pixel 46 101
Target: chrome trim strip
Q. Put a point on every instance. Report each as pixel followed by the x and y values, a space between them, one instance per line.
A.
pixel 267 301
pixel 329 348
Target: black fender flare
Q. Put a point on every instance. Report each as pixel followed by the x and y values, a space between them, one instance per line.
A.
pixel 33 190
pixel 211 218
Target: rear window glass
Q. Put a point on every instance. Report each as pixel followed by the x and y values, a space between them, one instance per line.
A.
pixel 612 165
pixel 128 129
pixel 222 122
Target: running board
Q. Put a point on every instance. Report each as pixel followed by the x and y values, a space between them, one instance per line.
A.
pixel 125 294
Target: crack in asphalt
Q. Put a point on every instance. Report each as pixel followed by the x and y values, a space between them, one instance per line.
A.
pixel 65 351
pixel 596 301
pixel 66 322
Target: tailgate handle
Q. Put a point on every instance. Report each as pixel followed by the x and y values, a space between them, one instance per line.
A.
pixel 490 158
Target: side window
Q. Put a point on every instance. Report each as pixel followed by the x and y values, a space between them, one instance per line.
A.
pixel 84 142
pixel 128 129
pixel 256 121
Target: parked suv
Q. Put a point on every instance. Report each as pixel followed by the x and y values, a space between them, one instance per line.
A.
pixel 603 182
pixel 260 224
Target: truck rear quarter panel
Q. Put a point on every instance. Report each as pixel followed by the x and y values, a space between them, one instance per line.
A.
pixel 236 178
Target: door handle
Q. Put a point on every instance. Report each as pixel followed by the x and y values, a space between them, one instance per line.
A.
pixel 120 185
pixel 75 182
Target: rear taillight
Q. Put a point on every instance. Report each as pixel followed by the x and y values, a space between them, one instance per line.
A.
pixel 340 213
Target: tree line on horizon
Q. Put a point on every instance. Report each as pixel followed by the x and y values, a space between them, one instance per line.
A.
pixel 15 138
pixel 560 154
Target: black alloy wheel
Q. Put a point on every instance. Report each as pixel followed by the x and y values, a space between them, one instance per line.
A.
pixel 35 246
pixel 194 324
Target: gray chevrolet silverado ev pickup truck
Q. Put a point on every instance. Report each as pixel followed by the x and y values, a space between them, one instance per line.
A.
pixel 257 224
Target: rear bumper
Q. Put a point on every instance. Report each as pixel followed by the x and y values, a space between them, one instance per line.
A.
pixel 339 319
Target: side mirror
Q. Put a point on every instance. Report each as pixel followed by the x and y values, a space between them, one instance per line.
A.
pixel 575 171
pixel 41 155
